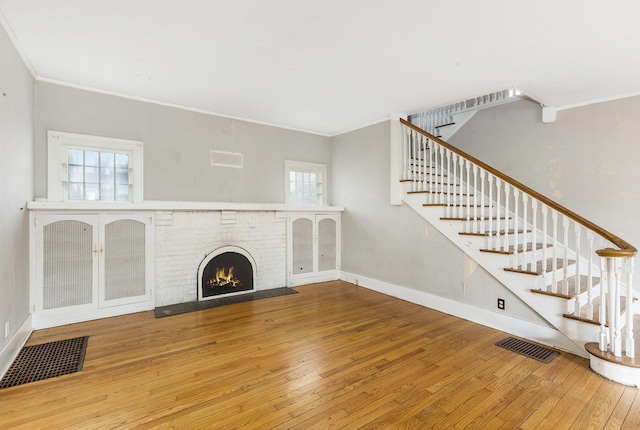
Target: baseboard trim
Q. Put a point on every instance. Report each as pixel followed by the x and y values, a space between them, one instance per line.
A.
pixel 46 319
pixel 15 344
pixel 543 335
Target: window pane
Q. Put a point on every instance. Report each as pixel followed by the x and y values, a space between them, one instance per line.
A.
pixel 76 191
pixel 122 160
pixel 107 192
pixel 106 175
pixel 107 159
pixel 76 174
pixel 91 175
pixel 122 176
pixel 90 158
pixel 91 191
pixel 122 193
pixel 76 156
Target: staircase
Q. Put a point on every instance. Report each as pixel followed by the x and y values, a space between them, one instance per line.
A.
pixel 574 274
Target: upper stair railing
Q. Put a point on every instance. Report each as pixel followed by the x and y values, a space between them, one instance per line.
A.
pixel 573 257
pixel 431 120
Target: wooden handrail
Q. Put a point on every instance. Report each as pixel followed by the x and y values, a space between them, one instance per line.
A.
pixel 626 249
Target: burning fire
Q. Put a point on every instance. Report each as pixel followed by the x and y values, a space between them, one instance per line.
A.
pixel 224 277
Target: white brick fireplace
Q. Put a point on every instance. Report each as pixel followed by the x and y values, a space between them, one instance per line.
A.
pixel 185 238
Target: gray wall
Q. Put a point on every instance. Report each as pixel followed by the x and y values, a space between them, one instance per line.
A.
pixel 393 243
pixel 16 176
pixel 177 146
pixel 588 160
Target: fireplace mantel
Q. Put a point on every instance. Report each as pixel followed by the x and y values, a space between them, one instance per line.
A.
pixel 157 205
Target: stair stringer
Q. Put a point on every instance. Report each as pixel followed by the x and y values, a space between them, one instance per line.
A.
pixel 550 309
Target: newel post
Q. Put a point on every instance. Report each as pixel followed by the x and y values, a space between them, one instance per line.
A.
pixel 396 140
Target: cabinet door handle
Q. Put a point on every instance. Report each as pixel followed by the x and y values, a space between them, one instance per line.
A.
pixel 95 250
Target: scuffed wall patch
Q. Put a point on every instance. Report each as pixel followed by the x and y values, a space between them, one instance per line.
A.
pixel 469 265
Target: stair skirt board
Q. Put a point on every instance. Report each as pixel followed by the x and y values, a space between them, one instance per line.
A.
pixel 537 333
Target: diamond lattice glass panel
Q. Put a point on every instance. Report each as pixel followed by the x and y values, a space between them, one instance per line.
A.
pixel 302 246
pixel 67 264
pixel 327 244
pixel 124 259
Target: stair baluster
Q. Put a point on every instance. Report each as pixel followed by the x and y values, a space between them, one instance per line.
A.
pixel 554 261
pixel 565 257
pixel 491 226
pixel 534 235
pixel 516 235
pixel 577 302
pixel 629 340
pixel 482 193
pixel 504 234
pixel 496 244
pixel 589 305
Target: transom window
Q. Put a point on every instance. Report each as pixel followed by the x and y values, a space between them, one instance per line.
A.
pixel 306 183
pixel 91 168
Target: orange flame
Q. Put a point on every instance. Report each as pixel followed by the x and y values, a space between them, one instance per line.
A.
pixel 224 277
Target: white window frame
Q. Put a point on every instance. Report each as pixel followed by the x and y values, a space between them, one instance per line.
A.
pixel 321 177
pixel 59 143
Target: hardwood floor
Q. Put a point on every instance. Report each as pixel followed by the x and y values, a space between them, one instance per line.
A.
pixel 333 356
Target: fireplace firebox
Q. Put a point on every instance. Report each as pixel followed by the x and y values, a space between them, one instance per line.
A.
pixel 224 272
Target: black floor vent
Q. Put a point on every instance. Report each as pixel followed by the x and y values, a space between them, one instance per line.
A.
pixel 47 360
pixel 528 349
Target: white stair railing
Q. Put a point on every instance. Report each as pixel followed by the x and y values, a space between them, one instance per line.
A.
pixel 541 237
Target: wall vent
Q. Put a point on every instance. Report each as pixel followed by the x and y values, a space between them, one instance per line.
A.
pixel 227 159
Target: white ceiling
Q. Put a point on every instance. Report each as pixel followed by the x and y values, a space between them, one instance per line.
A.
pixel 328 66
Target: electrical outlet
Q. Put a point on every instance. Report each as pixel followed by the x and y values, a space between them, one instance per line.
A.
pixel 6 329
pixel 357 283
pixel 501 304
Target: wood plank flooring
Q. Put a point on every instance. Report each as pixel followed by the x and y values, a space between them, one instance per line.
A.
pixel 334 356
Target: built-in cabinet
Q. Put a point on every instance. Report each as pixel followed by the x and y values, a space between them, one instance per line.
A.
pixel 89 266
pixel 313 247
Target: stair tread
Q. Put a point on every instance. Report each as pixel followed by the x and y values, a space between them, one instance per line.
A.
pixel 455 205
pixel 492 233
pixel 510 250
pixel 444 125
pixel 539 271
pixel 593 349
pixel 470 219
pixel 571 282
